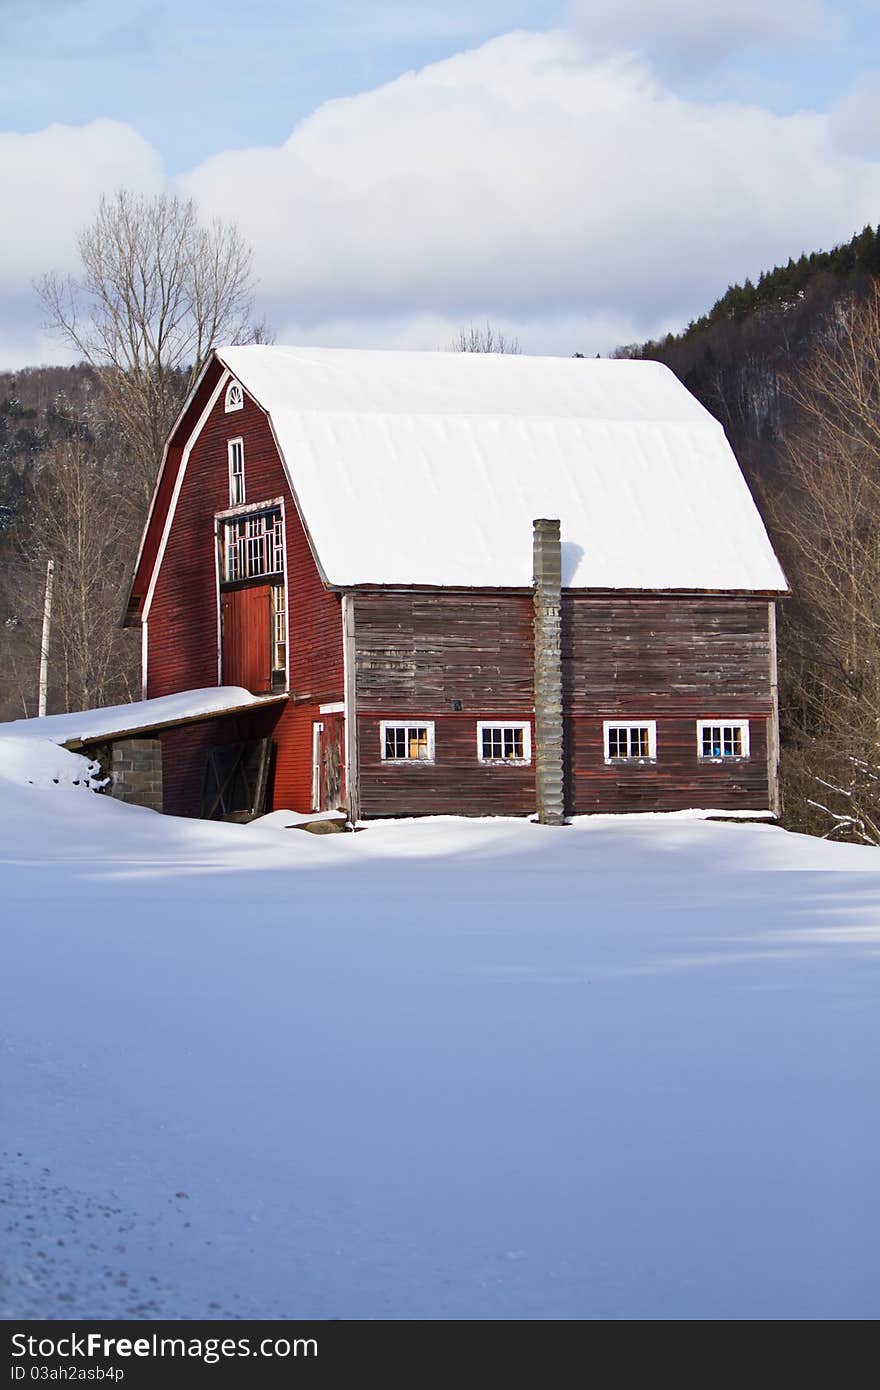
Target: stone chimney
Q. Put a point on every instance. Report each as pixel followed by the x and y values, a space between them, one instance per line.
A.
pixel 547 552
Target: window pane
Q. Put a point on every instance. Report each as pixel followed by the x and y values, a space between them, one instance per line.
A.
pixel 629 741
pixel 722 741
pixel 513 743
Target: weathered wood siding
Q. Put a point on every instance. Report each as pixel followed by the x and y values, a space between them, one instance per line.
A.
pixel 183 632
pixel 417 653
pixel 622 655
pixel 675 660
pixel 672 659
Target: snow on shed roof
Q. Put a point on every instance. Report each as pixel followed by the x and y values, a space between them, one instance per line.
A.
pixel 140 717
pixel 429 468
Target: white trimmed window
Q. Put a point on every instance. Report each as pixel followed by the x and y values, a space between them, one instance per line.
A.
pixel 236 472
pixel 407 743
pixel 722 738
pixel 504 743
pixel 234 397
pixel 631 743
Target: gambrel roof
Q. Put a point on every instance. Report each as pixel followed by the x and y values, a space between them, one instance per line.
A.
pixel 425 468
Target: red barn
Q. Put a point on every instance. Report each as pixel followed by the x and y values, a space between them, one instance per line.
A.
pixel 353 533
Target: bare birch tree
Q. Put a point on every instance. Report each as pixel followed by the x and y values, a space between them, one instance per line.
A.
pixel 158 289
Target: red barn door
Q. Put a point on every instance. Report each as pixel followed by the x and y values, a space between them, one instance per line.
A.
pixel 247 633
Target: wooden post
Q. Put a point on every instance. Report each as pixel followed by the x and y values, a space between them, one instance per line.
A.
pixel 44 640
pixel 547 556
pixel 773 721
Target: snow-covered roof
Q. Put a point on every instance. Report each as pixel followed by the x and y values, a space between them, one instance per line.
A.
pixel 429 468
pixel 141 716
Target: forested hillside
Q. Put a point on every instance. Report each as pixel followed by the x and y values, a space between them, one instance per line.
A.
pixel 791 367
pixel 67 492
pixel 735 356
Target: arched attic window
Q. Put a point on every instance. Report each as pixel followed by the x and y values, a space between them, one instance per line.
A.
pixel 234 397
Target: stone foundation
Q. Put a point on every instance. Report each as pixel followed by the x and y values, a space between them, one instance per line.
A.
pixel 136 772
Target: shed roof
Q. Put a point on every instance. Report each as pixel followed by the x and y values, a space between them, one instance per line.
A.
pixel 418 468
pixel 83 728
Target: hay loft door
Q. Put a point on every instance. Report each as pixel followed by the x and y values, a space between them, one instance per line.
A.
pixel 247 637
pixel 253 618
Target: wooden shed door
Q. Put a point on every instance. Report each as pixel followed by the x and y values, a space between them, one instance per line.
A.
pixel 329 769
pixel 247 634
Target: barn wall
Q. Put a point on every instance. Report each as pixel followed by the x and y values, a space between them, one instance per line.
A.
pixel 455 783
pixel 165 488
pixel 675 660
pixel 183 632
pixel 676 653
pixel 185 751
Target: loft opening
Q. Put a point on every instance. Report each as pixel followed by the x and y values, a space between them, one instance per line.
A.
pixel 253 608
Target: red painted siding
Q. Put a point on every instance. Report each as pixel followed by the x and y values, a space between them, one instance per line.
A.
pixel 183 622
pixel 185 750
pixel 165 488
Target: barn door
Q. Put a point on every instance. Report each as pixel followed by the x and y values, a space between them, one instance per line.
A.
pixel 247 638
pixel 328 779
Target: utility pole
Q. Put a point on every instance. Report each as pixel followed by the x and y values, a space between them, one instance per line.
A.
pixel 44 642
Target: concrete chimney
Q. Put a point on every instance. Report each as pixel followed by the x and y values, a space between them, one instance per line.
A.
pixel 547 561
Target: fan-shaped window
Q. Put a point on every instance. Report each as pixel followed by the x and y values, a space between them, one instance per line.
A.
pixel 234 396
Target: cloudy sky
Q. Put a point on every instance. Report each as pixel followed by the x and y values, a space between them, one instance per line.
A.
pixel 581 173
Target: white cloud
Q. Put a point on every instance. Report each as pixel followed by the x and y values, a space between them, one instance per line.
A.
pixel 856 118
pixel 681 34
pixel 525 180
pixel 51 184
pixel 574 200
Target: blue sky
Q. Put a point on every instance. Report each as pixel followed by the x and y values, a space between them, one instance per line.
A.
pixel 581 173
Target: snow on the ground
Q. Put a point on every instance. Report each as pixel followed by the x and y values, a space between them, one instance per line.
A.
pixel 39 762
pixel 114 719
pixel 626 1068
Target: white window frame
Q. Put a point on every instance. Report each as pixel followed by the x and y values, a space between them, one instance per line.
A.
pixel 523 725
pixel 725 723
pixel 641 761
pixel 230 453
pixel 234 399
pixel 386 724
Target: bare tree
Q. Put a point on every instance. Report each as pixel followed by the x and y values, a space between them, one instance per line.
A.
pixel 827 522
pixel 158 289
pixel 488 339
pixel 80 518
